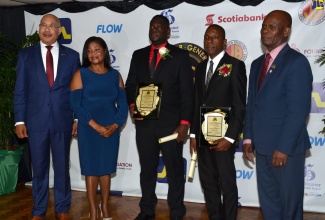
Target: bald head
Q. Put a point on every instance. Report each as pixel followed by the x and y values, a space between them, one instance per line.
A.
pixel 276 29
pixel 49 29
pixel 283 16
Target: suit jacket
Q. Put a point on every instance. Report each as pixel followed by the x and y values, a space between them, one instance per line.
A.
pixel 175 75
pixel 222 92
pixel 276 114
pixel 35 103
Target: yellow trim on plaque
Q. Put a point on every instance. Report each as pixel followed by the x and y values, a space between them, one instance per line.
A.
pixel 148 99
pixel 214 126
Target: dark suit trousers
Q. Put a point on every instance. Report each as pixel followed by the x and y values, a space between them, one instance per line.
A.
pixel 281 190
pixel 40 145
pixel 218 178
pixel 172 151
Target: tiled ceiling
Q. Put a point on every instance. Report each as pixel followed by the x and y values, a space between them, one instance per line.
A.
pixel 10 3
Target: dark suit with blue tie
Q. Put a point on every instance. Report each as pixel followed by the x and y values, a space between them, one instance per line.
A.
pixel 276 121
pixel 46 113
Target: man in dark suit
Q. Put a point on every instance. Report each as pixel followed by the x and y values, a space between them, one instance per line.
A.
pixel 275 121
pixel 225 88
pixel 42 113
pixel 173 71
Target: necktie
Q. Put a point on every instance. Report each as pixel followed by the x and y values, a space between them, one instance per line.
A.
pixel 264 70
pixel 152 65
pixel 49 66
pixel 209 75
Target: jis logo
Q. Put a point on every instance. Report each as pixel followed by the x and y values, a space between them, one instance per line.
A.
pixel 311 12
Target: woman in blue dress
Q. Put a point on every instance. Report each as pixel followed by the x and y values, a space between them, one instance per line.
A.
pixel 99 102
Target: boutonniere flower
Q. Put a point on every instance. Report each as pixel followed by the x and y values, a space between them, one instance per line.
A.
pixel 225 70
pixel 164 52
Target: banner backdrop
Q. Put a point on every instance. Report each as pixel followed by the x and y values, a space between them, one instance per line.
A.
pixel 125 33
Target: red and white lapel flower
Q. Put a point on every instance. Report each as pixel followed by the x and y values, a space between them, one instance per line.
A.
pixel 225 70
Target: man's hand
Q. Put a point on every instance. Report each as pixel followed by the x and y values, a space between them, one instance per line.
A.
pixel 279 159
pixel 221 145
pixel 248 152
pixel 74 129
pixel 21 131
pixel 182 131
pixel 132 112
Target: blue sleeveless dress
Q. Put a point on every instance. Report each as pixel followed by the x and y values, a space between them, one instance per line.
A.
pixel 102 100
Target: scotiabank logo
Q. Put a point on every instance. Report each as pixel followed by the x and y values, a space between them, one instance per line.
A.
pixel 209 19
pixel 243 18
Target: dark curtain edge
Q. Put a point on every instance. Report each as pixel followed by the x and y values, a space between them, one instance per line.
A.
pixel 126 6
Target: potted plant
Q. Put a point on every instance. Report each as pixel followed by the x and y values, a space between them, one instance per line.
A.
pixel 9 155
pixel 8 57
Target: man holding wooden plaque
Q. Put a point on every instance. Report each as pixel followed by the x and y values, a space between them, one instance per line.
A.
pixel 159 90
pixel 220 101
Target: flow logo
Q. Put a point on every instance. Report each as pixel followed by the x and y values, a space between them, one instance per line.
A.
pixel 244 174
pixel 66 35
pixel 110 28
pixel 162 172
pixel 317 141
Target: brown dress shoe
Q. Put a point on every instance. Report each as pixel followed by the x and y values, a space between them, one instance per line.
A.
pixel 38 218
pixel 62 216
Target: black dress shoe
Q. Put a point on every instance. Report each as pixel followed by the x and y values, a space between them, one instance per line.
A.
pixel 177 218
pixel 143 216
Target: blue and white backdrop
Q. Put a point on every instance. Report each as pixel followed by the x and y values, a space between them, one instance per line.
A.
pixel 125 33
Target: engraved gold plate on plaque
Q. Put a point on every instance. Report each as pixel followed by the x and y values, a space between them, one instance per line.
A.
pixel 148 101
pixel 214 125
